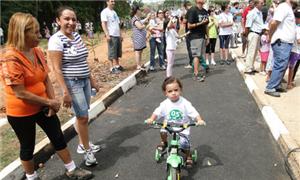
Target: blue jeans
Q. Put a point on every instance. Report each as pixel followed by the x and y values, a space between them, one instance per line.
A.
pixel 153 46
pixel 80 91
pixel 281 55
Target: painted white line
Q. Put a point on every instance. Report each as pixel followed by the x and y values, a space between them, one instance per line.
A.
pixel 96 108
pixel 10 168
pixel 275 124
pixel 128 83
pixel 240 66
pixel 250 84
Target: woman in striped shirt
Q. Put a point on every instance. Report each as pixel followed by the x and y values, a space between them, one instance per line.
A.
pixel 69 55
pixel 139 35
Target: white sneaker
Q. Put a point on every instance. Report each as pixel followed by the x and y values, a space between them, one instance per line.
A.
pixel 95 148
pixel 163 67
pixel 213 62
pixel 90 158
pixel 188 67
pixel 151 68
pixel 207 61
pixel 263 73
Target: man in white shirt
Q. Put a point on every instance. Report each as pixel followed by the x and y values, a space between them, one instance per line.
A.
pixel 111 26
pixel 253 28
pixel 282 36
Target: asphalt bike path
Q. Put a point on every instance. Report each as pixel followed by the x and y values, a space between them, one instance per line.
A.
pixel 236 144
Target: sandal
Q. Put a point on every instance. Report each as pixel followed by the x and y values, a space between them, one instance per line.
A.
pixel 189 162
pixel 162 146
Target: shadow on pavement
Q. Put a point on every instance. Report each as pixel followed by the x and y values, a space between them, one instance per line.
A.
pixel 206 159
pixel 114 148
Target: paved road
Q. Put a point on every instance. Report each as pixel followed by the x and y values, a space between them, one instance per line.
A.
pixel 236 143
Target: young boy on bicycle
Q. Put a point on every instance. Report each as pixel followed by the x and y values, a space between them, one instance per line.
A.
pixel 178 110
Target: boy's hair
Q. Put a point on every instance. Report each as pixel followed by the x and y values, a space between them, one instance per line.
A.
pixel 170 80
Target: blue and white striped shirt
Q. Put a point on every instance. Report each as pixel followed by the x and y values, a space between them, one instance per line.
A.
pixel 74 54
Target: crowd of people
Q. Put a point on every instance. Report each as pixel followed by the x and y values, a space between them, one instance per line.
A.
pixel 30 96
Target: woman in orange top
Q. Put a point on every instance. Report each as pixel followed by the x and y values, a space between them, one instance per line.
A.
pixel 30 96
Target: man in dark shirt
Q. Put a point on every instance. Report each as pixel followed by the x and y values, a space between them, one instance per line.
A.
pixel 197 22
pixel 187 6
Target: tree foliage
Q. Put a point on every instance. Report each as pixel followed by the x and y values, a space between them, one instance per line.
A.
pixel 45 10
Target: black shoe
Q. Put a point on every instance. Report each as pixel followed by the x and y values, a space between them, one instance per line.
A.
pixel 115 71
pixel 281 90
pixel 231 60
pixel 207 69
pixel 255 71
pixel 222 62
pixel 120 68
pixel 274 94
pixel 228 62
pixel 249 72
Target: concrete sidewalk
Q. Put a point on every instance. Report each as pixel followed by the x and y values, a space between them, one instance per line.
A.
pixel 281 114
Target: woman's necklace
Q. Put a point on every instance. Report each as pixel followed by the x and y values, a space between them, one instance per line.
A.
pixel 29 55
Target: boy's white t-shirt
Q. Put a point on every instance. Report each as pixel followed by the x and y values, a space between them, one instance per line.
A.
pixel 171 38
pixel 296 46
pixel 179 112
pixel 113 21
pixel 225 18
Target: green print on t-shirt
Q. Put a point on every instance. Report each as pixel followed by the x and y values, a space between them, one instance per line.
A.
pixel 175 115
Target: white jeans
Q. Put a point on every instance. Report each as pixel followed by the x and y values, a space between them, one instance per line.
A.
pixel 170 60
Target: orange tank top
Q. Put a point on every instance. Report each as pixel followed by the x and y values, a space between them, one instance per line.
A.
pixel 16 69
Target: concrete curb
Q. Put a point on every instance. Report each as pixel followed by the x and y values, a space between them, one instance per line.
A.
pixel 44 150
pixel 275 124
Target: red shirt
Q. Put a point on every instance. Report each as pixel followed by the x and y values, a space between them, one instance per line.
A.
pixel 245 13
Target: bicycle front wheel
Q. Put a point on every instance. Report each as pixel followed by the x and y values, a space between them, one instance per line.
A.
pixel 173 174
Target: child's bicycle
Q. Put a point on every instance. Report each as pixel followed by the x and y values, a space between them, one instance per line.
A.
pixel 175 162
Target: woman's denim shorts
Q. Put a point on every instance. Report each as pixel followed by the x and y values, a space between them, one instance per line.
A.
pixel 80 91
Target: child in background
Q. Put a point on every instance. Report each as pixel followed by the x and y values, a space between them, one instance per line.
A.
pixel 295 54
pixel 171 41
pixel 176 109
pixel 152 25
pixel 264 51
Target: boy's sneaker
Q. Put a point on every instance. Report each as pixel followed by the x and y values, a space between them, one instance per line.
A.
pixel 151 68
pixel 163 67
pixel 89 158
pixel 79 173
pixel 162 146
pixel 115 71
pixel 94 148
pixel 222 62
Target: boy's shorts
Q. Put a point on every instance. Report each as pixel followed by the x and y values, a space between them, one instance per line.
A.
pixel 184 140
